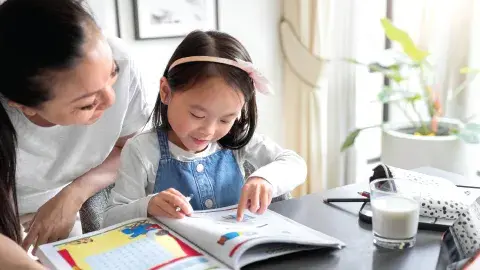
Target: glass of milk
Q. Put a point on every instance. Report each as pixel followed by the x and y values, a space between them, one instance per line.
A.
pixel 395 212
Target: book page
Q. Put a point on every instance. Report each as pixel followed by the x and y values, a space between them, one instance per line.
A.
pixel 265 251
pixel 218 232
pixel 138 244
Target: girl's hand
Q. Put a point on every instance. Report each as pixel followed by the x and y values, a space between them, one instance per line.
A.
pixel 256 196
pixel 164 204
pixel 54 220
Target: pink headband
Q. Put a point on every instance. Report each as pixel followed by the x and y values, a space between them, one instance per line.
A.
pixel 259 81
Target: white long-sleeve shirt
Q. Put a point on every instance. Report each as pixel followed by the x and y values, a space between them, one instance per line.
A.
pixel 282 168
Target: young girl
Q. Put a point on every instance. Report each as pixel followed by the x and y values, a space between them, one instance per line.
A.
pixel 204 130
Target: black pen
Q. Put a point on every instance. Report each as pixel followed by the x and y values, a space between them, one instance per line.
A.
pixel 329 200
pixel 473 187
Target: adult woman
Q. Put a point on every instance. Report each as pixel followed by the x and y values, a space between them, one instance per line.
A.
pixel 70 98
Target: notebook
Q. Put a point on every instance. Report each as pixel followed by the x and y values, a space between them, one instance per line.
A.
pixel 461 242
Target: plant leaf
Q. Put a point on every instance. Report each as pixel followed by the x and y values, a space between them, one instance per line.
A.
pixel 353 61
pixel 414 98
pixel 392 72
pixel 388 94
pixel 470 133
pixel 350 140
pixel 400 36
pixel 466 70
pixel 376 67
pixel 394 67
pixel 396 76
pixel 474 127
pixel 385 95
pixel 469 137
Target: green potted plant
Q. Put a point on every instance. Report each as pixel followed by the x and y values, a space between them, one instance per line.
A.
pixel 427 139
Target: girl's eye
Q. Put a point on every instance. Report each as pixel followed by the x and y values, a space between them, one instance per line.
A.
pixel 196 116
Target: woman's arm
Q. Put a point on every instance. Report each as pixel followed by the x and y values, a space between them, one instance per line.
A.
pixel 54 220
pixel 14 257
pixel 99 177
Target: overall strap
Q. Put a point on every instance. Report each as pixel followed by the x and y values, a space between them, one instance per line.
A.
pixel 163 144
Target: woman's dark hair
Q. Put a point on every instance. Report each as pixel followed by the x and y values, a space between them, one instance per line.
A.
pixel 37 38
pixel 184 76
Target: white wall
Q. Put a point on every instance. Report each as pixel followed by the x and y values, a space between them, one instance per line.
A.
pixel 253 22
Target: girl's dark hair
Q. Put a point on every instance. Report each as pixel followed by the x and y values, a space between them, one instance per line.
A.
pixel 37 38
pixel 184 76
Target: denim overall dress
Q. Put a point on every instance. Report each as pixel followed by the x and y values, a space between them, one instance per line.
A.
pixel 214 181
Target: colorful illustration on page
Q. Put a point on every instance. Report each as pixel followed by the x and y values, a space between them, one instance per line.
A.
pixel 233 218
pixel 231 235
pixel 138 245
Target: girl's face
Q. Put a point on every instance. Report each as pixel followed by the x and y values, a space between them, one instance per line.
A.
pixel 81 95
pixel 202 114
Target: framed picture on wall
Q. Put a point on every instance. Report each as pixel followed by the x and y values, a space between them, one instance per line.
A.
pixel 106 15
pixel 166 18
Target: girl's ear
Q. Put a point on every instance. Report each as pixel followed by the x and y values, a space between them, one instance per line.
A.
pixel 165 91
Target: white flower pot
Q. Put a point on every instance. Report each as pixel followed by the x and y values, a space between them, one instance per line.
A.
pixel 408 151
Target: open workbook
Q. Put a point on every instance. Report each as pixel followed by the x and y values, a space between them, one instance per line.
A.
pixel 211 239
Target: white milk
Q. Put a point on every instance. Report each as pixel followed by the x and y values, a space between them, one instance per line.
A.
pixel 395 217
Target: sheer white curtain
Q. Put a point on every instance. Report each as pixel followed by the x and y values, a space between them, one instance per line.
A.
pixel 319 98
pixel 301 43
pixel 444 28
pixel 340 101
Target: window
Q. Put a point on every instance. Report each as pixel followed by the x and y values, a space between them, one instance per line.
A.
pixel 370 42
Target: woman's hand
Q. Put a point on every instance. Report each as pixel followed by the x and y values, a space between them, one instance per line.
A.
pixel 256 196
pixel 54 220
pixel 165 203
